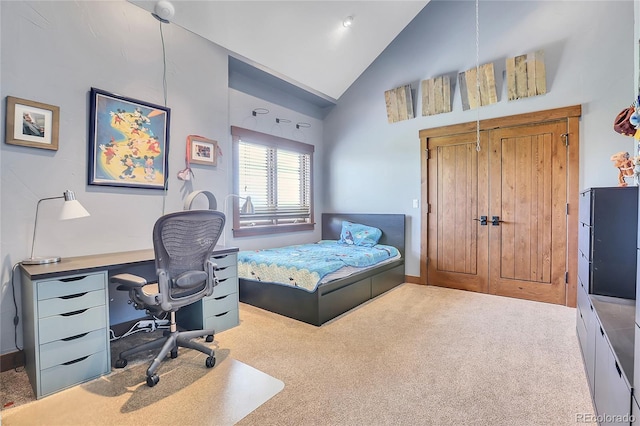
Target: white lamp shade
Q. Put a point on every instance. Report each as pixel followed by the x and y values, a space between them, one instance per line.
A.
pixel 247 207
pixel 72 210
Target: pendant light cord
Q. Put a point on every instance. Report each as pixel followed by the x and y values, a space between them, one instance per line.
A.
pixel 478 75
pixel 164 93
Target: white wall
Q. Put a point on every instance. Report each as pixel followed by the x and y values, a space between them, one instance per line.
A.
pixel 54 52
pixel 589 61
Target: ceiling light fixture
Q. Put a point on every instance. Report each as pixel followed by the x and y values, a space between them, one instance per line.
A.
pixel 163 11
pixel 348 21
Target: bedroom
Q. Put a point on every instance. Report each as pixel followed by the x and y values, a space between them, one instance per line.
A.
pixel 591 65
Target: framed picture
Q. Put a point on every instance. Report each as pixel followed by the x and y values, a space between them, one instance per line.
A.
pixel 32 124
pixel 128 142
pixel 203 151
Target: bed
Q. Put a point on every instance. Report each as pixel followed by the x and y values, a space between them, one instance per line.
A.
pixel 338 296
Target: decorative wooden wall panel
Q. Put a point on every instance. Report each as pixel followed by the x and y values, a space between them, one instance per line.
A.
pixel 469 90
pixel 526 76
pixel 436 95
pixel 399 103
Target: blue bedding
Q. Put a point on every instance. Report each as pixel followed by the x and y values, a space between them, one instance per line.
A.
pixel 304 265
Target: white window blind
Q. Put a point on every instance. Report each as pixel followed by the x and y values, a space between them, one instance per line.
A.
pixel 277 174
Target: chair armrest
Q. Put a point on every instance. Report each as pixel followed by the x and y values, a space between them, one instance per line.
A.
pixel 128 281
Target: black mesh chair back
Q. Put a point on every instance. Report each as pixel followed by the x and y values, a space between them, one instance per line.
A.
pixel 182 242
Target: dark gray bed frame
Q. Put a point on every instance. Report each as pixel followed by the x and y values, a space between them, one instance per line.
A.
pixel 336 297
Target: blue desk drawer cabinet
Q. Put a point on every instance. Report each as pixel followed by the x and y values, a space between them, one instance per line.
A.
pixel 65 325
pixel 220 310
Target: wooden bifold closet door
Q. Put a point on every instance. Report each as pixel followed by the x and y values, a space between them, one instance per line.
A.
pixel 497 218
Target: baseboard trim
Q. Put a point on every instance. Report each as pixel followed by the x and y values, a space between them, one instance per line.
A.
pixel 411 279
pixel 11 360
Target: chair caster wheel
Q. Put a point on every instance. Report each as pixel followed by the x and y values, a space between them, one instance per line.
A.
pixel 174 353
pixel 210 362
pixel 121 363
pixel 152 380
pixel 209 339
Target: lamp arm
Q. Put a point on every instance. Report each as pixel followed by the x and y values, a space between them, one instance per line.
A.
pixel 35 223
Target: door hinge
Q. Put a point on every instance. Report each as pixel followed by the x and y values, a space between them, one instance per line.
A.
pixel 567 209
pixel 566 277
pixel 565 136
pixel 426 153
pixel 428 207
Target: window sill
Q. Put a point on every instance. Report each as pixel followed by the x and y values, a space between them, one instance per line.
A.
pixel 251 231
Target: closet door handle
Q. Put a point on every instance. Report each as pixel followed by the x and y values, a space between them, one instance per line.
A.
pixel 495 220
pixel 482 220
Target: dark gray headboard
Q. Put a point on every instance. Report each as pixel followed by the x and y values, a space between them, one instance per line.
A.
pixel 391 225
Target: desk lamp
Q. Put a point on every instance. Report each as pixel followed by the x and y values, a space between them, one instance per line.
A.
pixel 71 209
pixel 246 208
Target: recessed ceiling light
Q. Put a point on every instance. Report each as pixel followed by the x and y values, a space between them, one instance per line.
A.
pixel 348 21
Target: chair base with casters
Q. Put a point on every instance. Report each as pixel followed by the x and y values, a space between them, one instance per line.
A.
pixel 183 244
pixel 170 342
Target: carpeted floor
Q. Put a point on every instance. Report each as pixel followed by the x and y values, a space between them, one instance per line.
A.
pixel 415 355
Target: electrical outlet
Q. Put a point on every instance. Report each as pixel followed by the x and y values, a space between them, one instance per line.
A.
pixel 145 324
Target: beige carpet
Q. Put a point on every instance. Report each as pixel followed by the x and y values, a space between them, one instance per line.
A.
pixel 416 355
pixel 190 394
pixel 420 355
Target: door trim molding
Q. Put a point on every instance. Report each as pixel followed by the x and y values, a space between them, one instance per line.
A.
pixel 508 121
pixel 572 115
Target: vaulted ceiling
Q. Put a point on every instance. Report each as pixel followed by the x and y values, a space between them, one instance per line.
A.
pixel 301 43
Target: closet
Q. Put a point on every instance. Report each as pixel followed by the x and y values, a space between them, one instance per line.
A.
pixel 501 206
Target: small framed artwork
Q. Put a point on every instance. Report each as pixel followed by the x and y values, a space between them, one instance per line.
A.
pixel 32 124
pixel 128 141
pixel 203 151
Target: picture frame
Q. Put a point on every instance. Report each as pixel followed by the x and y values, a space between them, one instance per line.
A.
pixel 203 151
pixel 32 124
pixel 128 141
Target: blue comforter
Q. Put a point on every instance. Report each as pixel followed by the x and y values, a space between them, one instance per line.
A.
pixel 304 265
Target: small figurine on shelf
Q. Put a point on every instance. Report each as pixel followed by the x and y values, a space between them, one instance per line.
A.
pixel 625 166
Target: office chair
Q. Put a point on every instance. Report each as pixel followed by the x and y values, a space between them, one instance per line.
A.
pixel 182 244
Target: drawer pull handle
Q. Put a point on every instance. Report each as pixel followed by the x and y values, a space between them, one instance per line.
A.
pixel 618 368
pixel 72 279
pixel 224 313
pixel 220 257
pixel 220 298
pixel 73 296
pixel 222 280
pixel 75 360
pixel 69 314
pixel 74 337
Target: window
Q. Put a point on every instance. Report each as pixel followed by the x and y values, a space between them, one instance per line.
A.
pixel 273 180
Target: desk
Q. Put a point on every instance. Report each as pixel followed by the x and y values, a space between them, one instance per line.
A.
pixel 65 314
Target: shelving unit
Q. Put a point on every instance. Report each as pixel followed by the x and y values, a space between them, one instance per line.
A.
pixel 606 308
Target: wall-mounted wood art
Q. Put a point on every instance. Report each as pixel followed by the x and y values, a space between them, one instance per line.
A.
pixel 399 103
pixel 436 95
pixel 468 82
pixel 526 75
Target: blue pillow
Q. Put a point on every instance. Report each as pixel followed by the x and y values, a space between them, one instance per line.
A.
pixel 359 235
